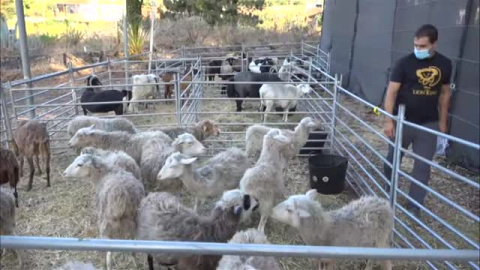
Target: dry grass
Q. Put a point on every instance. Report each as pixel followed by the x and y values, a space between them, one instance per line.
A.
pixel 67 208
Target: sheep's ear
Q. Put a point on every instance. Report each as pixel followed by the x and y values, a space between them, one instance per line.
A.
pixel 205 127
pixel 237 210
pixel 187 161
pixel 302 213
pixel 312 194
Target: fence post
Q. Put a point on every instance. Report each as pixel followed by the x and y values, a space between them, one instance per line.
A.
pixel 334 112
pixel 328 63
pixel 125 46
pixel 310 70
pixel 6 118
pixel 178 92
pixel 109 70
pixel 72 84
pixel 9 87
pixel 301 48
pixel 241 58
pixel 396 157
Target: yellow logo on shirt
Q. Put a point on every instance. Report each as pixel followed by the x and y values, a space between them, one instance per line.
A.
pixel 429 77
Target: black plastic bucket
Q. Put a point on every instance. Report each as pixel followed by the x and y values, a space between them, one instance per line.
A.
pixel 309 147
pixel 327 173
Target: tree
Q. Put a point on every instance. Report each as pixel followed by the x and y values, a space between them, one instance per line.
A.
pixel 217 11
pixel 134 13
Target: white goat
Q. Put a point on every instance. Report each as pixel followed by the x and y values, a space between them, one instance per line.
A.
pixel 366 222
pixel 221 172
pixel 281 96
pixel 142 91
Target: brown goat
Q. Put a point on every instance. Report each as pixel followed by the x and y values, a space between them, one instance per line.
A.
pixel 9 170
pixel 169 88
pixel 32 140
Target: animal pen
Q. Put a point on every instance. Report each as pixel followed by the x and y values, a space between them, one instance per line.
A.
pixel 445 236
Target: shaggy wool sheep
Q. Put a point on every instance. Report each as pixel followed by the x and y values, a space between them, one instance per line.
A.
pixel 162 216
pixel 144 87
pixel 117 158
pixel 31 139
pixel 265 181
pixel 9 171
pixel 366 222
pixel 201 130
pixel 118 197
pixel 255 133
pixel 281 95
pixel 222 172
pixel 7 219
pixel 250 236
pixel 113 124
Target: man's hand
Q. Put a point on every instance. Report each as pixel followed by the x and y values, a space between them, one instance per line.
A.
pixel 389 128
pixel 443 127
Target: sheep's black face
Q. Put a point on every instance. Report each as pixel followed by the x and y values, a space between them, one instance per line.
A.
pixel 246 202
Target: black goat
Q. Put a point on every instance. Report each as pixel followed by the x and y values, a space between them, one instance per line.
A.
pixel 89 95
pixel 264 65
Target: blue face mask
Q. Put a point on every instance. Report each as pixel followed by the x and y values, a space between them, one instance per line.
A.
pixel 422 54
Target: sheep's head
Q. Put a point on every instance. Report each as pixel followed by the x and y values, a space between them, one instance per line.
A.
pixel 310 123
pixel 276 138
pixel 82 167
pixel 239 202
pixel 305 89
pixel 175 166
pixel 187 144
pixel 93 80
pixel 82 137
pixel 209 128
pixel 295 208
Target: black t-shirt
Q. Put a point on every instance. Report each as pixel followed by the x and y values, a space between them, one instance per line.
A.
pixel 421 81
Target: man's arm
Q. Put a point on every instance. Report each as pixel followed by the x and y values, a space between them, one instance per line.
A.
pixel 444 103
pixel 391 97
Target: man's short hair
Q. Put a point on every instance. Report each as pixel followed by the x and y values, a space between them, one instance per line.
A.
pixel 427 30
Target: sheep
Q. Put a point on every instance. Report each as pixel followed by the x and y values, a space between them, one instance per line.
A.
pixel 131 144
pixel 117 158
pixel 149 149
pixel 77 266
pixel 31 139
pixel 265 180
pixel 201 130
pixel 90 95
pixel 221 172
pixel 281 95
pixel 7 219
pixel 113 124
pixel 118 196
pixel 9 171
pixel 250 236
pixel 366 222
pixel 144 86
pixel 255 133
pixel 248 90
pixel 263 65
pixel 163 217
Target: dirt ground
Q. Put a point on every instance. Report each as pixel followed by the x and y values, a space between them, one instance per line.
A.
pixel 66 209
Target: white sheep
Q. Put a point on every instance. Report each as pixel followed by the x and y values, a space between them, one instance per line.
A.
pixel 113 124
pixel 265 181
pixel 142 91
pixel 366 222
pixel 221 172
pixel 149 149
pixel 162 216
pixel 255 133
pixel 118 197
pixel 274 95
pixel 250 236
pixel 117 158
pixel 7 219
pixel 201 130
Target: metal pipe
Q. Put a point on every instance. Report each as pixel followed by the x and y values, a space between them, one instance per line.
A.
pixel 396 157
pixel 24 52
pixel 152 34
pixel 197 248
pixel 125 45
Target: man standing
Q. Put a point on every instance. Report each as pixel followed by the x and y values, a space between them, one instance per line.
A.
pixel 420 81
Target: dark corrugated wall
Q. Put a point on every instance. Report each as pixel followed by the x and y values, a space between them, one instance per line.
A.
pixel 365 38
